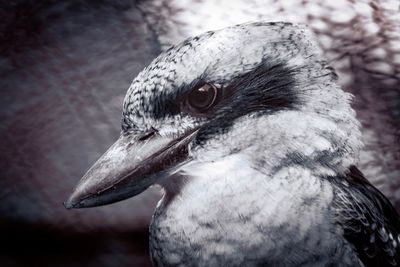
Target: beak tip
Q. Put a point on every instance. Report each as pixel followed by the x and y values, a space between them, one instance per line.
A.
pixel 71 203
pixel 68 204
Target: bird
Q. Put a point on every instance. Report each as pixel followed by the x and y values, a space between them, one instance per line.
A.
pixel 255 146
pixel 360 39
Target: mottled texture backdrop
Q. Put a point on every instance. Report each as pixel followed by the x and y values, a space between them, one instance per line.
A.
pixel 65 67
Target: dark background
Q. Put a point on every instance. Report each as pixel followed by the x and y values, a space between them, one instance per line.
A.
pixel 64 69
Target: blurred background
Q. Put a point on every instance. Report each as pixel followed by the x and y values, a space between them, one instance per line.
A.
pixel 65 67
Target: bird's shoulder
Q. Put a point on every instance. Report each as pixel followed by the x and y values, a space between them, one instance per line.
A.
pixel 369 221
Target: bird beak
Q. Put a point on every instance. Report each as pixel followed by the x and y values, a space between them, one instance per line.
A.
pixel 128 168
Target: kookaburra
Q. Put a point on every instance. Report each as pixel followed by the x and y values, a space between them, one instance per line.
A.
pixel 255 145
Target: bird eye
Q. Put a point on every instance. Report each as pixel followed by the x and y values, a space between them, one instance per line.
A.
pixel 202 98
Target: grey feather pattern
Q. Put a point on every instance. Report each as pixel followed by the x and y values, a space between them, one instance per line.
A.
pixel 369 221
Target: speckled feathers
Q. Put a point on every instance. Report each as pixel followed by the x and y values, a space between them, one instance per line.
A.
pixel 217 57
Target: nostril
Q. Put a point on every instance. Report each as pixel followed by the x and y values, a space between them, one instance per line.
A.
pixel 148 134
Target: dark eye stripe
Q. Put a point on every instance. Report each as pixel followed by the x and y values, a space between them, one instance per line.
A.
pixel 265 89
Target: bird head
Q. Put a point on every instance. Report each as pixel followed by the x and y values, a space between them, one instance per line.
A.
pixel 259 90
